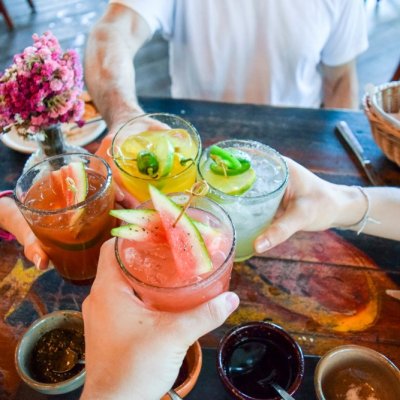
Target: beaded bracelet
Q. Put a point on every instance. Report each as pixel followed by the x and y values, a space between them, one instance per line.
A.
pixel 366 219
pixel 4 234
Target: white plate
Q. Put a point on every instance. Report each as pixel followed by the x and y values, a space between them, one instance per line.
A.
pixel 76 136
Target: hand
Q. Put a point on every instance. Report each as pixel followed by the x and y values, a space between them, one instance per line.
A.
pixel 134 352
pixel 309 204
pixel 18 226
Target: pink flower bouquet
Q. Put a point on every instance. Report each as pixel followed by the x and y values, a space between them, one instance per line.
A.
pixel 42 88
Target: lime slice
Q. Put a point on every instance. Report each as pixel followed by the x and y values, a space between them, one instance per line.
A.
pixel 234 185
pixel 164 151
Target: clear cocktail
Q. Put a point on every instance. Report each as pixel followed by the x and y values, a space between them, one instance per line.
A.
pixel 66 200
pixel 167 271
pixel 157 149
pixel 248 179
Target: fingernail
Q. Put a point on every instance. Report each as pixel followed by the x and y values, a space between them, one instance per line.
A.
pixel 233 301
pixel 37 260
pixel 262 245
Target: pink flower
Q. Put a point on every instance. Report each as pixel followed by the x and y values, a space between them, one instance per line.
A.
pixel 41 88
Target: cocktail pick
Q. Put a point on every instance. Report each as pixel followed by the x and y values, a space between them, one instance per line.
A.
pixel 199 189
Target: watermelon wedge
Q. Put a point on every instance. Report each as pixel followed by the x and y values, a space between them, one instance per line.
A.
pixel 187 245
pixel 74 182
pixel 150 221
pixel 141 217
pixel 187 239
pixel 134 232
pixel 71 182
pixel 142 225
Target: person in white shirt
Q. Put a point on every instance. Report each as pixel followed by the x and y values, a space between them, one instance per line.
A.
pixel 286 52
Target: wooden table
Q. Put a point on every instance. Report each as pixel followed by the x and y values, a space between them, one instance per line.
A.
pixel 326 288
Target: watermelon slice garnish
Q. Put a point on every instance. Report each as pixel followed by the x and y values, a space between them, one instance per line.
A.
pixel 187 245
pixel 184 236
pixel 142 225
pixel 142 217
pixel 71 182
pixel 150 221
pixel 74 182
pixel 134 232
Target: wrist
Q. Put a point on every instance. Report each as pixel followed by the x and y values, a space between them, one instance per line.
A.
pixel 352 205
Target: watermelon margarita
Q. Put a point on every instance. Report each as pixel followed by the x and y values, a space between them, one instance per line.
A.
pixel 157 149
pixel 174 268
pixel 248 179
pixel 66 201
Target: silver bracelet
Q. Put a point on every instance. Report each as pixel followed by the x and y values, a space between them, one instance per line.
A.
pixel 366 219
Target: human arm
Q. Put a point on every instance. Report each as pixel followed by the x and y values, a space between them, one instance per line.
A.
pixel 12 221
pixel 110 76
pixel 109 70
pixel 133 352
pixel 340 86
pixel 313 204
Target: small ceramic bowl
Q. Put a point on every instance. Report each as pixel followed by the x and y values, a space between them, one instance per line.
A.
pixel 57 319
pixel 352 371
pixel 193 360
pixel 255 354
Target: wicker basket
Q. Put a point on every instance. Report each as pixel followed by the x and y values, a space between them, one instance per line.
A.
pixel 378 106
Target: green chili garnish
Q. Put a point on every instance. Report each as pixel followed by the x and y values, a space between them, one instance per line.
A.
pixel 147 162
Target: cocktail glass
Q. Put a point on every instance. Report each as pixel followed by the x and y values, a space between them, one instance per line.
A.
pixel 254 210
pixel 146 265
pixel 146 134
pixel 71 236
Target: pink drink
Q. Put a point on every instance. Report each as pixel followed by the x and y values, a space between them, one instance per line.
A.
pixel 150 266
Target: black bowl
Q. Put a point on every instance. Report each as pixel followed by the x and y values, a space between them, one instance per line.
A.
pixel 278 358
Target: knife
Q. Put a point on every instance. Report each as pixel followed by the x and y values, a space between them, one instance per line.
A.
pixel 393 293
pixel 357 149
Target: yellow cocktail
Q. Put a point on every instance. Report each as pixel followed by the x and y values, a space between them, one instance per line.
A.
pixel 157 149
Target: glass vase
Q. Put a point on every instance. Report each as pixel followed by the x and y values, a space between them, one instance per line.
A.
pixel 51 142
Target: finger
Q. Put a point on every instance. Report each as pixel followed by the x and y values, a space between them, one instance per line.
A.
pixel 108 269
pixel 110 284
pixel 36 254
pixel 119 194
pixel 281 229
pixel 33 250
pixel 128 201
pixel 207 317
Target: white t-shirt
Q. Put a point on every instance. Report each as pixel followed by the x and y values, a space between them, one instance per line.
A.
pixel 255 51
